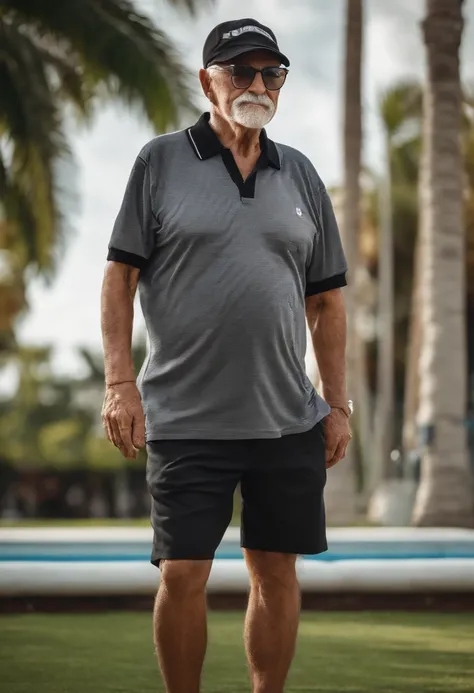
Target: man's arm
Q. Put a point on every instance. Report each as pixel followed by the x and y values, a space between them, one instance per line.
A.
pixel 118 293
pixel 326 317
pixel 122 413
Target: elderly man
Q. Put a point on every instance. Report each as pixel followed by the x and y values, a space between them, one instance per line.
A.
pixel 232 241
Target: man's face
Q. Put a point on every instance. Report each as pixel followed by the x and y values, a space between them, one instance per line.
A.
pixel 252 107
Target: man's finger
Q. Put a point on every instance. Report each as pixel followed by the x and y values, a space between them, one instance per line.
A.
pixel 348 440
pixel 338 455
pixel 344 452
pixel 113 431
pixel 110 433
pixel 138 431
pixel 125 429
pixel 107 430
pixel 330 450
pixel 118 442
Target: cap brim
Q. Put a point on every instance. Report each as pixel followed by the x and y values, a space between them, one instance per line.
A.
pixel 237 50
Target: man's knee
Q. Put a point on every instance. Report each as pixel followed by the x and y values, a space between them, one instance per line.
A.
pixel 271 571
pixel 184 578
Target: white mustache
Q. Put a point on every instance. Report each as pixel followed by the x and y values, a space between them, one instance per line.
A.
pixel 259 99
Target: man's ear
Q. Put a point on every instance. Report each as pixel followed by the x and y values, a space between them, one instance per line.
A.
pixel 205 82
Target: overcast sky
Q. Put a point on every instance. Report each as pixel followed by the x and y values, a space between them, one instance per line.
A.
pixel 311 33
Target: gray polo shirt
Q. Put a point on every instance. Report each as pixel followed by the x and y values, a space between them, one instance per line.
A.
pixel 225 268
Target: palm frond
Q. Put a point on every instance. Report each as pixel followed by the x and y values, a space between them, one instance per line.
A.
pixel 76 52
pixel 31 123
pixel 405 161
pixel 119 50
pixel 28 7
pixel 191 6
pixel 19 213
pixel 64 76
pixel 400 105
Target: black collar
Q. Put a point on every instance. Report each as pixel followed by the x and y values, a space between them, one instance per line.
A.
pixel 206 144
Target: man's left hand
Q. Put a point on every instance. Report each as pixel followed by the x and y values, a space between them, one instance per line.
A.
pixel 337 432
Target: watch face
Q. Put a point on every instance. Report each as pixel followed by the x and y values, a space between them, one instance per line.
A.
pixel 350 404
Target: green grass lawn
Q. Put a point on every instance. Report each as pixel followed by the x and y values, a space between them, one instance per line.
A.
pixel 337 653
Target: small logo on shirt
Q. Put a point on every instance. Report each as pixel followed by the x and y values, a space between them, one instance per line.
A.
pixel 299 212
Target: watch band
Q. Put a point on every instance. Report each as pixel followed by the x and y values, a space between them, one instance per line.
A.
pixel 347 408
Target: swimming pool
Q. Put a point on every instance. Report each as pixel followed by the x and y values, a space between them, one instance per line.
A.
pixel 116 560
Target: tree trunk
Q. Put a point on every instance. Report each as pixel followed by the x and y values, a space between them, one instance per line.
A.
pixel 341 487
pixel 412 375
pixel 445 496
pixel 385 409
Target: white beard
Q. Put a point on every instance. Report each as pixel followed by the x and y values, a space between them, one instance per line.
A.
pixel 245 112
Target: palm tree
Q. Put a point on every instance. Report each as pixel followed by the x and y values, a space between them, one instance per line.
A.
pixel 401 115
pixel 341 488
pixel 400 112
pixel 12 290
pixel 445 494
pixel 74 55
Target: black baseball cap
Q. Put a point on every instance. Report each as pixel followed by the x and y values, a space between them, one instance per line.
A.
pixel 230 39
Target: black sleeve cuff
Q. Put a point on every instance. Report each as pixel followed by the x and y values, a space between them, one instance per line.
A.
pixel 337 281
pixel 116 255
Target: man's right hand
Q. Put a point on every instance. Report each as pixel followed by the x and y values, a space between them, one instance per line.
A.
pixel 123 418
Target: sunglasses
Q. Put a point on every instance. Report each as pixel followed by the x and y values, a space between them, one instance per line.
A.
pixel 243 76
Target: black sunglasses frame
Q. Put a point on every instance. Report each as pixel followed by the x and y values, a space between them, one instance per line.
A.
pixel 264 71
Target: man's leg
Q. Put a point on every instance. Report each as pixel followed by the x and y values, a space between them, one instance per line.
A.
pixel 192 485
pixel 272 617
pixel 282 517
pixel 180 623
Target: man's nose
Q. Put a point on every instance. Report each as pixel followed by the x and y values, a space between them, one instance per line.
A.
pixel 258 86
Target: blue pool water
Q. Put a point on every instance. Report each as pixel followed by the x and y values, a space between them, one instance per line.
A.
pixel 41 549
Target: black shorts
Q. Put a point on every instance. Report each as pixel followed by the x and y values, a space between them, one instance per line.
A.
pixel 192 484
